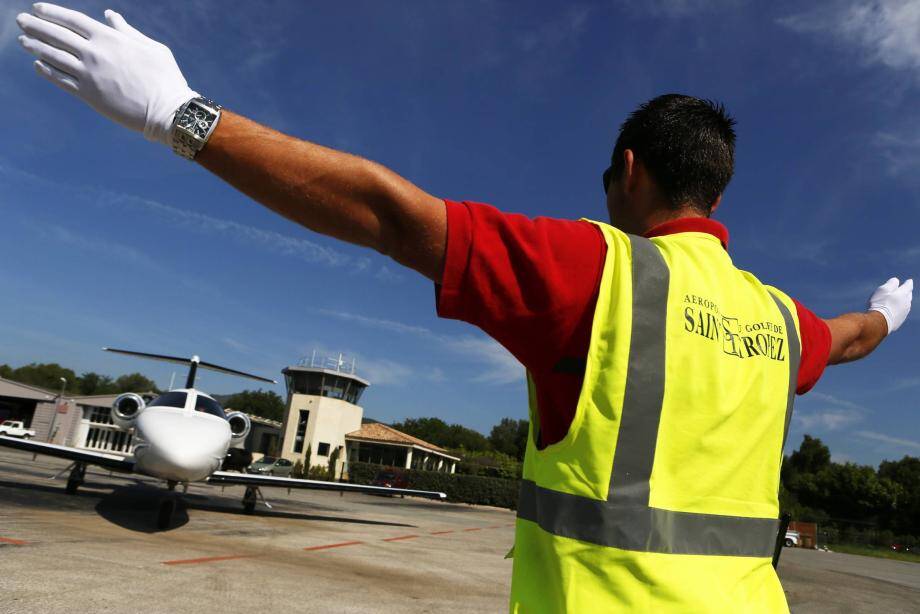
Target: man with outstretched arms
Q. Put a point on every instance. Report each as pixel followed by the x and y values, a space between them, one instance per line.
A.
pixel 661 377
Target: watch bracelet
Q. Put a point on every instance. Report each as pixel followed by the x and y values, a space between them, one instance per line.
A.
pixel 184 144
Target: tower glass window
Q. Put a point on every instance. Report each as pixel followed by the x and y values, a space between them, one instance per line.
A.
pixel 324 382
pixel 301 433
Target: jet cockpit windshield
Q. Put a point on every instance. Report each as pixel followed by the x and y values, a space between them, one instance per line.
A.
pixel 209 406
pixel 169 399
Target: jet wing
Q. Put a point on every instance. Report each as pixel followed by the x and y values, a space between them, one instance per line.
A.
pixel 109 461
pixel 250 479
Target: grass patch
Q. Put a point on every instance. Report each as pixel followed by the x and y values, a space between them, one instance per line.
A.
pixel 882 553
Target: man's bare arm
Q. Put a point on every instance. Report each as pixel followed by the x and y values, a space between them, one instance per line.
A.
pixel 135 81
pixel 330 192
pixel 855 335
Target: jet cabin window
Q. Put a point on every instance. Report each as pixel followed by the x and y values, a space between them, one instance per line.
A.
pixel 170 399
pixel 208 406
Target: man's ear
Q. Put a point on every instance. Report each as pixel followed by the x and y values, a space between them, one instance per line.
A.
pixel 715 204
pixel 630 171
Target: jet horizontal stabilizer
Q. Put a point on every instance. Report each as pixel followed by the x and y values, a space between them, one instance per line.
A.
pixel 194 362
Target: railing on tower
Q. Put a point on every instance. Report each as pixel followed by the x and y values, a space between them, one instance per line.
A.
pixel 333 362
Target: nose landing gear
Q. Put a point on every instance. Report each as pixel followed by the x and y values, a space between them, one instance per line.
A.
pixel 165 512
pixel 167 507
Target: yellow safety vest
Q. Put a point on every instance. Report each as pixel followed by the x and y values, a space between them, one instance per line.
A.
pixel 663 495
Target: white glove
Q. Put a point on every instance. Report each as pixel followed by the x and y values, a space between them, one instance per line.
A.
pixel 129 78
pixel 893 301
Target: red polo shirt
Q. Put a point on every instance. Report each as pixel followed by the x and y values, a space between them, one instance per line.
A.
pixel 532 285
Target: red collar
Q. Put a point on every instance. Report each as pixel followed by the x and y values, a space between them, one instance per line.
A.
pixel 691 224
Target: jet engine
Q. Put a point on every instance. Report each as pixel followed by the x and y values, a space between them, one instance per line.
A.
pixel 126 408
pixel 239 425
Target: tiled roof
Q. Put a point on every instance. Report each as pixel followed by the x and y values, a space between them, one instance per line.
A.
pixel 377 431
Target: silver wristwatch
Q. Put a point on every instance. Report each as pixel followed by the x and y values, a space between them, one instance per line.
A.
pixel 193 125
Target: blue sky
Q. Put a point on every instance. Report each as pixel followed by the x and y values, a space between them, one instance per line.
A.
pixel 107 239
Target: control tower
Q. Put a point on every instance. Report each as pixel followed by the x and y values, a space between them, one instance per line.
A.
pixel 322 406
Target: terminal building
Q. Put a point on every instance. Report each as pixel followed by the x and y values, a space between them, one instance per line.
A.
pixel 323 423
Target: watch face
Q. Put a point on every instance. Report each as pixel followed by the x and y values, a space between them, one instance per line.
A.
pixel 197 120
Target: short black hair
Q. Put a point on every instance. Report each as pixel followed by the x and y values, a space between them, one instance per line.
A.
pixel 686 144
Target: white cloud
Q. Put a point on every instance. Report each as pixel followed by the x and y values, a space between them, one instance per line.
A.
pixel 269 240
pixel 387 275
pixel 677 8
pixel 565 30
pixel 384 372
pixel 890 441
pixel 110 250
pixel 886 32
pixel 831 413
pixel 830 420
pixel 500 366
pixel 378 323
pixel 901 151
pixel 236 345
pixel 905 383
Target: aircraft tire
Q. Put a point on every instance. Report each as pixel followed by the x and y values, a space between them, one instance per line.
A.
pixel 249 500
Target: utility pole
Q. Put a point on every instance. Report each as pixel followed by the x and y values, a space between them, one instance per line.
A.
pixel 51 430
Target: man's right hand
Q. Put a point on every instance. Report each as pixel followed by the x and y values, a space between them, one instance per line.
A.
pixel 892 299
pixel 131 79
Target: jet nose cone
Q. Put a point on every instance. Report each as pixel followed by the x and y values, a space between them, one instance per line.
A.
pixel 179 445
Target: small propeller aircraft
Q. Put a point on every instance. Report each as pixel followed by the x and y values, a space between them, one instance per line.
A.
pixel 184 436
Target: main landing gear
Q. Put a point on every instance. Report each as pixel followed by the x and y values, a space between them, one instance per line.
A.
pixel 75 479
pixel 251 497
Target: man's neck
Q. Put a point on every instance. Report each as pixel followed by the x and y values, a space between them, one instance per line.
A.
pixel 660 216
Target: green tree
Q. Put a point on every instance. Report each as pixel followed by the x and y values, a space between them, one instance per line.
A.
pixel 811 457
pixel 264 403
pixel 6 371
pixel 135 382
pixel 438 432
pixel 905 518
pixel 93 383
pixel 44 375
pixel 510 437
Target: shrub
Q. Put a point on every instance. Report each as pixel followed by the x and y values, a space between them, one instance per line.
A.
pixel 319 472
pixel 473 489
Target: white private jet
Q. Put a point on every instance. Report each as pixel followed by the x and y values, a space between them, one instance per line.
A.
pixel 184 436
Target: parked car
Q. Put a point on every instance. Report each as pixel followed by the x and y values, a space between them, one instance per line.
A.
pixel 900 548
pixel 389 478
pixel 793 538
pixel 269 465
pixel 15 428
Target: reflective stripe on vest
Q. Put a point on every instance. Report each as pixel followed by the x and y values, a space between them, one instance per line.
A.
pixel 625 520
